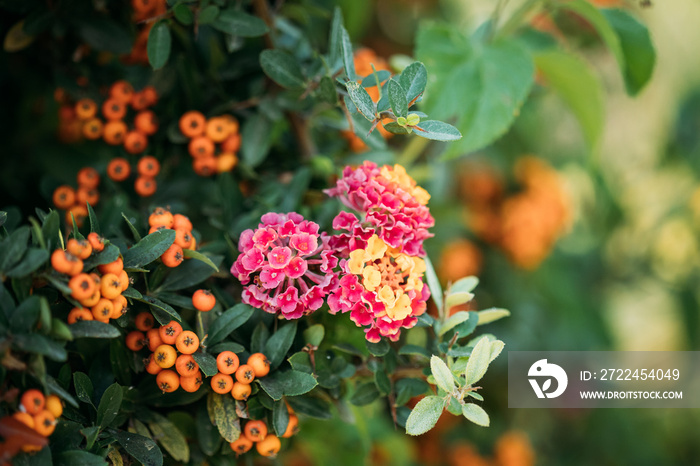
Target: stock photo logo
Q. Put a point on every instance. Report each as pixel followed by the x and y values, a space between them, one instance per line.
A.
pixel 543 371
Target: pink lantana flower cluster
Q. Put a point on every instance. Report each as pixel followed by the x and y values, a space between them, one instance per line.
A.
pixel 286 265
pixel 391 206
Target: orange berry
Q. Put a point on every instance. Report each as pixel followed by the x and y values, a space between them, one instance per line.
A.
pixel 135 340
pixel 168 381
pixel 217 129
pixel 115 267
pixel 231 144
pixel 146 122
pixel 192 124
pixel 102 311
pixel 118 169
pixel 181 222
pixel 44 423
pixel 114 132
pixel 82 286
pixel 25 418
pixel 121 91
pixel 151 366
pixel 241 391
pixel 173 256
pixel 66 263
pixel 201 146
pixel 96 241
pixel 112 109
pixel 226 162
pixel 165 356
pixel 135 142
pixel 154 339
pixel 187 342
pixel 79 248
pixel 139 101
pixel 148 166
pixel 33 401
pixel 124 279
pixel 203 300
pixel 255 431
pixel 161 217
pixel 77 212
pixel 54 405
pixel 186 366
pixel 66 113
pixel 88 178
pixel 269 446
pixel 227 362
pixel 151 95
pixel 191 384
pixel 119 307
pixel 231 122
pixel 204 165
pixel 221 383
pixel 93 299
pixel 183 238
pixel 170 332
pixel 245 374
pixel 110 286
pixel 144 321
pixel 93 129
pixel 145 186
pixel 64 197
pixel 87 196
pixel 85 109
pixel 241 445
pixel 260 364
pixel 292 426
pixel 78 314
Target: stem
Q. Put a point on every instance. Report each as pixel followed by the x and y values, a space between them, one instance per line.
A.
pixel 263 11
pixel 517 18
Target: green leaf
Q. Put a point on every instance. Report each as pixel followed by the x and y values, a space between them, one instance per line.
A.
pixel 229 321
pixel 442 374
pixel 437 131
pixel 132 228
pixel 415 350
pixel 496 349
pixel 464 285
pixel 109 254
pixel 346 54
pixel 482 87
pixel 78 458
pixel 170 437
pixel 83 387
pixel 142 449
pixel 35 343
pixel 287 383
pixel 255 139
pixel 280 417
pixel 149 248
pixel 225 418
pixel 189 273
pixel 335 37
pixel 13 248
pixel 314 335
pixel 163 313
pixel 457 299
pixel 578 87
pixel 208 14
pixel 159 44
pixel 93 329
pixel 108 409
pixel 278 344
pixel 396 128
pixel 301 362
pixel 94 224
pixel 192 254
pixel 478 361
pixel 207 363
pixel 119 358
pixel 397 98
pixel 50 229
pixel 310 406
pixel 207 434
pixel 25 316
pixel 54 387
pixel 413 80
pixel 365 394
pixel 371 80
pixel 362 100
pixel 408 388
pixel 425 415
pixel 32 260
pixel 491 315
pixel 183 14
pixel 327 91
pixel 226 346
pixel 3 217
pixel 239 23
pixel 106 34
pixel 381 380
pixel 637 49
pixel 433 284
pixel 476 414
pixel 381 348
pixel 282 68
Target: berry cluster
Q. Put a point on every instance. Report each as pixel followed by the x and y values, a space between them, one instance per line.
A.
pixel 204 135
pixel 162 218
pixel 73 201
pixel 97 293
pixel 147 169
pixel 255 432
pixel 40 413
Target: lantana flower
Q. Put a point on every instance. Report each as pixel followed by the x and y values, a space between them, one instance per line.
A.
pixel 391 204
pixel 286 264
pixel 382 288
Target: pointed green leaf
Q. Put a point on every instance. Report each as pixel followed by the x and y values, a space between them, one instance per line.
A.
pixel 491 315
pixel 442 374
pixel 457 299
pixel 287 383
pixel 437 131
pixel 225 417
pixel 347 54
pixel 192 254
pixel 476 414
pixel 238 23
pixel 108 409
pixel 93 329
pixel 150 248
pixel 478 361
pixel 425 415
pixel 282 68
pixel 314 334
pixel 158 46
pixel 362 100
pixel 229 321
pixel 142 449
pixel 413 80
pixel 278 344
pixel 397 99
pixel 280 417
